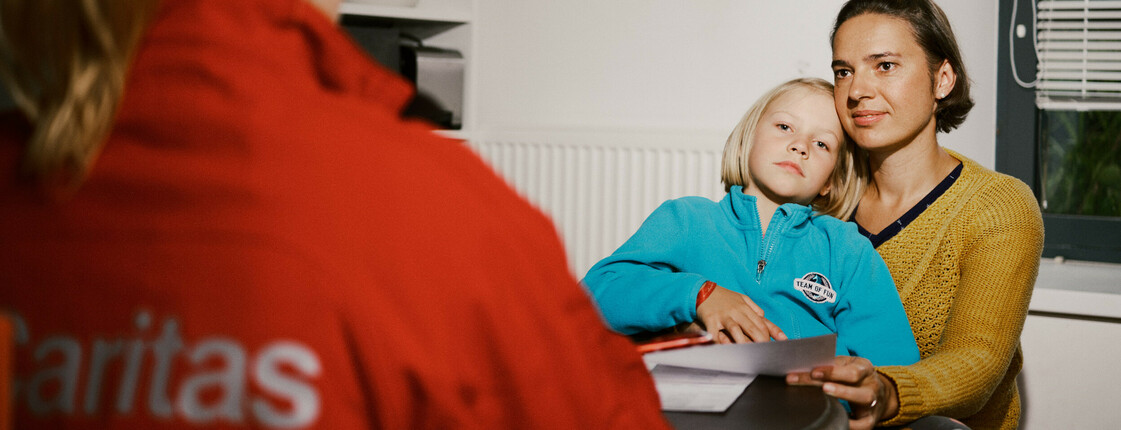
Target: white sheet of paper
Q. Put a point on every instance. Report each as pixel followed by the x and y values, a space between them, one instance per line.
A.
pixel 698 390
pixel 764 358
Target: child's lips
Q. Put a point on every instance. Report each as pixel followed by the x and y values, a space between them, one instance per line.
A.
pixel 792 167
pixel 867 117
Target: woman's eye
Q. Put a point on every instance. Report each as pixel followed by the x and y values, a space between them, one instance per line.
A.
pixel 886 66
pixel 841 74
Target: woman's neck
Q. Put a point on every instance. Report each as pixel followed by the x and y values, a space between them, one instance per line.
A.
pixel 901 177
pixel 908 173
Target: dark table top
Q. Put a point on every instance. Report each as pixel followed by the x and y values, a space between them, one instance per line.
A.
pixel 768 403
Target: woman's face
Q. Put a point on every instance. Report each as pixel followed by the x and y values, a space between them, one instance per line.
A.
pixel 885 95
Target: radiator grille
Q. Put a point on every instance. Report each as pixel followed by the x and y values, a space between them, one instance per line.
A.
pixel 599 188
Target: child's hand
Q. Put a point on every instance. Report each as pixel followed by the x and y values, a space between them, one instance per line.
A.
pixel 732 317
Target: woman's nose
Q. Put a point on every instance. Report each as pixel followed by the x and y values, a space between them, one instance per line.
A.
pixel 860 87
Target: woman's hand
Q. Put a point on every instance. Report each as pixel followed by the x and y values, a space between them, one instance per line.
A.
pixel 732 317
pixel 871 396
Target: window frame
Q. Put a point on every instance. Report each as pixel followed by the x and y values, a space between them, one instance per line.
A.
pixel 1075 237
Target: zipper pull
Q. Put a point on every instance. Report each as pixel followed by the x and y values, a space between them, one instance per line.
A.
pixel 762 264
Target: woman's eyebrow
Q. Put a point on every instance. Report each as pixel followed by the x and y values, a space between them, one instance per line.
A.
pixel 871 58
pixel 876 57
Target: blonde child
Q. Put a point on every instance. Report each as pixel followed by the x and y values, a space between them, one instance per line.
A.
pixel 771 259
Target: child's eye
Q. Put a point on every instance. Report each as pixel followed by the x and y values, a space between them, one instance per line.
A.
pixel 783 127
pixel 822 145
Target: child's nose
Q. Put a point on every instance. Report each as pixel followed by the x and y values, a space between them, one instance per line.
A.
pixel 799 148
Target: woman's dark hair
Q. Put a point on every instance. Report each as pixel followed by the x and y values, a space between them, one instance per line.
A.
pixel 932 32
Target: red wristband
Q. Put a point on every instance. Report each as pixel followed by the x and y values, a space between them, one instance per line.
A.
pixel 706 290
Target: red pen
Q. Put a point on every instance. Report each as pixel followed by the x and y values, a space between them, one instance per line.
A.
pixel 674 341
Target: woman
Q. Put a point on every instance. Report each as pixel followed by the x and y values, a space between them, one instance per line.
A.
pixel 962 242
pixel 222 220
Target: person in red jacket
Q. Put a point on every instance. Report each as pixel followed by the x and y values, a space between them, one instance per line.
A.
pixel 264 243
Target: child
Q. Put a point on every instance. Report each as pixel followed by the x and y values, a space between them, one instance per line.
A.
pixel 763 262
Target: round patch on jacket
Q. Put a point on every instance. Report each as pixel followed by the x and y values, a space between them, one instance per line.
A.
pixel 816 287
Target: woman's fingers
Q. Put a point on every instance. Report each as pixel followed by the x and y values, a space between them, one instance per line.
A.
pixel 803 378
pixel 859 397
pixel 850 370
pixel 854 380
pixel 862 416
pixel 862 423
pixel 860 400
pixel 845 370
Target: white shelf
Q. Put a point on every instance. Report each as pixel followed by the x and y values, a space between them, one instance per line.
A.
pixel 1077 288
pixel 439 23
pixel 422 12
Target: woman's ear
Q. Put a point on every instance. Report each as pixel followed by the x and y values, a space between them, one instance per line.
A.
pixel 944 80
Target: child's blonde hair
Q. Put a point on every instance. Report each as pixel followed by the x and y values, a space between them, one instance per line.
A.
pixel 850 174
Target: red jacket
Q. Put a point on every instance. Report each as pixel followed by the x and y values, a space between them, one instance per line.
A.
pixel 263 243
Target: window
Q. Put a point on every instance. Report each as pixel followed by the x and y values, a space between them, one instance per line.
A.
pixel 1059 118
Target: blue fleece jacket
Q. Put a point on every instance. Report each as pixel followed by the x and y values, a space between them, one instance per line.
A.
pixel 811 275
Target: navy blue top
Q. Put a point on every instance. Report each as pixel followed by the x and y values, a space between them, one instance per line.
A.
pixel 894 228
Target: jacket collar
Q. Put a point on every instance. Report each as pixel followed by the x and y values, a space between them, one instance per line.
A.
pixel 345 67
pixel 743 212
pixel 288 36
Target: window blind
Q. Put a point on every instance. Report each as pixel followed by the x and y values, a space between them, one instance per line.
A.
pixel 1079 51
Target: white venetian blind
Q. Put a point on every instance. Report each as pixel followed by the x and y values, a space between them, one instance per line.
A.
pixel 1079 48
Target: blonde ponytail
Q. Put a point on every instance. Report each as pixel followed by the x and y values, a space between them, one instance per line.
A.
pixel 65 63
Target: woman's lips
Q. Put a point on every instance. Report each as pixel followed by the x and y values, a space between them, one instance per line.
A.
pixel 791 166
pixel 865 118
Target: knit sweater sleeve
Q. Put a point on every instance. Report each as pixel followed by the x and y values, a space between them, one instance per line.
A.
pixel 998 264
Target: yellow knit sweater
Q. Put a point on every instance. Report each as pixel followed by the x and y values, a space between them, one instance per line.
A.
pixel 965 270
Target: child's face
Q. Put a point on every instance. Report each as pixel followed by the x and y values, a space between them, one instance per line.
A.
pixel 795 147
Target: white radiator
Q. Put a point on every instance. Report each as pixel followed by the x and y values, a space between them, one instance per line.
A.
pixel 598 187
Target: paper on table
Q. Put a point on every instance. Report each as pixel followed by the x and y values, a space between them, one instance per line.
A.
pixel 763 358
pixel 697 390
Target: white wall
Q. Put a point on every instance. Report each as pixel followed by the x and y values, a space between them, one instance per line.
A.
pixel 975 25
pixel 1070 373
pixel 678 64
